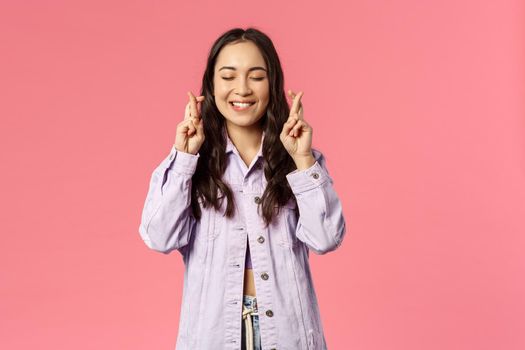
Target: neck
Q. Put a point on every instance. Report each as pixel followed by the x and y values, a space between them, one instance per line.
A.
pixel 245 138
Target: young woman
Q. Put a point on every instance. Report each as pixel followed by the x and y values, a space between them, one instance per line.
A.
pixel 244 197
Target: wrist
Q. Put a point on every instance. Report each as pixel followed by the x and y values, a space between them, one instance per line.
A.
pixel 304 162
pixel 188 152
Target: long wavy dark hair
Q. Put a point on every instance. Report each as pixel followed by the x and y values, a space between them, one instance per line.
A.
pixel 208 186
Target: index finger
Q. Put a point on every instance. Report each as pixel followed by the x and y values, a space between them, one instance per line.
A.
pixel 194 111
pixel 193 105
pixel 296 104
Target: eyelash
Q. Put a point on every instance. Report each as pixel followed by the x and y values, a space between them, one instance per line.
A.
pixel 258 79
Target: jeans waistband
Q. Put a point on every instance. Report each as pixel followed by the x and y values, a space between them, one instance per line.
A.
pixel 250 302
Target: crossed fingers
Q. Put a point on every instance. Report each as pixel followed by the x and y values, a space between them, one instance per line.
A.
pixel 192 110
pixel 297 106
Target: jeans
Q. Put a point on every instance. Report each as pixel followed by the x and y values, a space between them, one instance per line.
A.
pixel 250 317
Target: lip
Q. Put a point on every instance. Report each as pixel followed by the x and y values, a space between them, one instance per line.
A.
pixel 239 108
pixel 240 101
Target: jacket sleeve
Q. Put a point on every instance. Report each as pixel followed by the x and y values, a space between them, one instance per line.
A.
pixel 167 219
pixel 321 225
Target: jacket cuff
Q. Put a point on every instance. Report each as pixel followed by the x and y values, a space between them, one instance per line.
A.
pixel 181 162
pixel 307 179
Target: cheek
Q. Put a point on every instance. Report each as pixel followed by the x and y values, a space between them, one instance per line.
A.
pixel 220 95
pixel 265 100
pixel 219 88
pixel 265 95
pixel 221 104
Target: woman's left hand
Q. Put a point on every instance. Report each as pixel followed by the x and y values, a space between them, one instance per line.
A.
pixel 296 135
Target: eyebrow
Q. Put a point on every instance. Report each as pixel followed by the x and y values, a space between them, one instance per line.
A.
pixel 249 70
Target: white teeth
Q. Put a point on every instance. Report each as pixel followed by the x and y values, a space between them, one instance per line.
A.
pixel 242 105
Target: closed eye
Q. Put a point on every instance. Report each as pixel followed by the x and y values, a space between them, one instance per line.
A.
pixel 231 78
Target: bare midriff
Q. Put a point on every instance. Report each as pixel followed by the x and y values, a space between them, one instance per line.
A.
pixel 249 283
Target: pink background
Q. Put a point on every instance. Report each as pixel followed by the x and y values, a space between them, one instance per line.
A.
pixel 418 106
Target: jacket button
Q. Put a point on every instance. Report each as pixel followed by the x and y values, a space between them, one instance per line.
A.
pixel 269 313
pixel 257 199
pixel 260 239
pixel 264 276
pixel 315 175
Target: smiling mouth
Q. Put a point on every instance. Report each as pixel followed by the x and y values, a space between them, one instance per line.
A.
pixel 239 106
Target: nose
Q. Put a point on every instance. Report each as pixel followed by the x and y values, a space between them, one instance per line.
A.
pixel 243 87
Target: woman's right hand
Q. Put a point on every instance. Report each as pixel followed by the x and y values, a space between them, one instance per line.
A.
pixel 190 132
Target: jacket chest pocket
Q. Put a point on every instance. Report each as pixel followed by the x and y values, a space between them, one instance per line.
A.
pixel 212 222
pixel 217 219
pixel 207 230
pixel 289 216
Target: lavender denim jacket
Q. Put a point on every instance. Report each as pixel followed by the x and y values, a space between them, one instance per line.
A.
pixel 213 250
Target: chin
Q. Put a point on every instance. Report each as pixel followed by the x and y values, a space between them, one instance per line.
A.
pixel 242 122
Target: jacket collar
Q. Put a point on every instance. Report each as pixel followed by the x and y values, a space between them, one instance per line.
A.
pixel 230 147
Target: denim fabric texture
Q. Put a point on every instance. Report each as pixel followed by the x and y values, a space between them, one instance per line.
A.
pixel 251 303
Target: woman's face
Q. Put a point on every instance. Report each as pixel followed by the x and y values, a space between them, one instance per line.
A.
pixel 241 76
